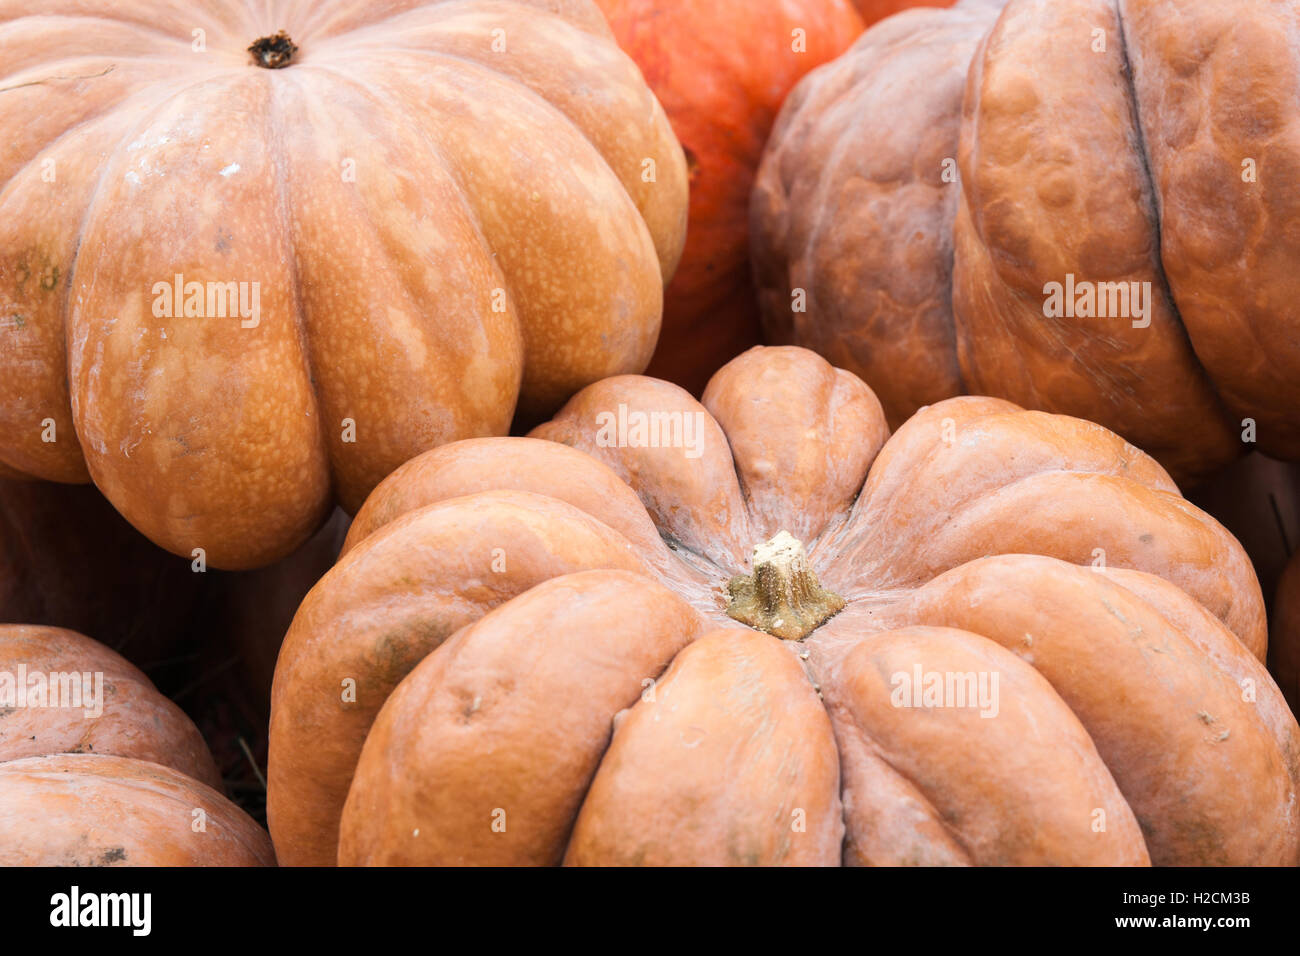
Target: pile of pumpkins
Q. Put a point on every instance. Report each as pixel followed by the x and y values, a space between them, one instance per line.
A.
pixel 646 432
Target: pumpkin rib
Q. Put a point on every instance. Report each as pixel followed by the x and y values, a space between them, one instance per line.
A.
pixel 1236 658
pixel 1250 379
pixel 397 419
pixel 547 378
pixel 806 493
pixel 675 501
pixel 1148 740
pixel 738 738
pixel 351 625
pixel 1035 731
pixel 1083 498
pixel 75 468
pixel 450 705
pixel 563 98
pixel 1003 257
pixel 264 453
pixel 909 809
pixel 490 464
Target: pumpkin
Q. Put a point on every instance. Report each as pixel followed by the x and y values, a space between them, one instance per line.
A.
pixel 1284 653
pixel 255 258
pixel 113 779
pixel 721 68
pixel 1084 206
pixel 660 631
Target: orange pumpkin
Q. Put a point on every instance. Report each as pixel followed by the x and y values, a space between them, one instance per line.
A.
pixel 708 633
pixel 114 775
pixel 244 272
pixel 721 69
pixel 1078 205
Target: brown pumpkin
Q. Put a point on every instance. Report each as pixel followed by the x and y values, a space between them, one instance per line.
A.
pixel 721 69
pixel 1119 244
pixel 429 213
pixel 101 769
pixel 518 630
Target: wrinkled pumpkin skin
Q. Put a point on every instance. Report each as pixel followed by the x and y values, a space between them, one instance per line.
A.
pixel 439 232
pixel 721 69
pixel 116 789
pixel 1128 164
pixel 531 624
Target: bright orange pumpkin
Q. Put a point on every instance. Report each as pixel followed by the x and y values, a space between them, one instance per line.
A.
pixel 721 69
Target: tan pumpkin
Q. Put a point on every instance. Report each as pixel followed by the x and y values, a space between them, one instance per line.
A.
pixel 114 778
pixel 443 210
pixel 1085 206
pixel 534 653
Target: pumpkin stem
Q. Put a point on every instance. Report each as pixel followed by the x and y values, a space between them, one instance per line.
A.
pixel 782 596
pixel 273 52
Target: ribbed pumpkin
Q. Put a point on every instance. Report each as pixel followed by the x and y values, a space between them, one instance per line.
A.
pixel 563 650
pixel 721 69
pixel 131 785
pixel 253 258
pixel 1084 206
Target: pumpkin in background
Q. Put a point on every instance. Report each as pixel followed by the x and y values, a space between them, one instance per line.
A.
pixel 721 69
pixel 118 787
pixel 926 189
pixel 429 213
pixel 547 634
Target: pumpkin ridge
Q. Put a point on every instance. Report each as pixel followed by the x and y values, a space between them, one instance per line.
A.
pixel 843 715
pixel 554 110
